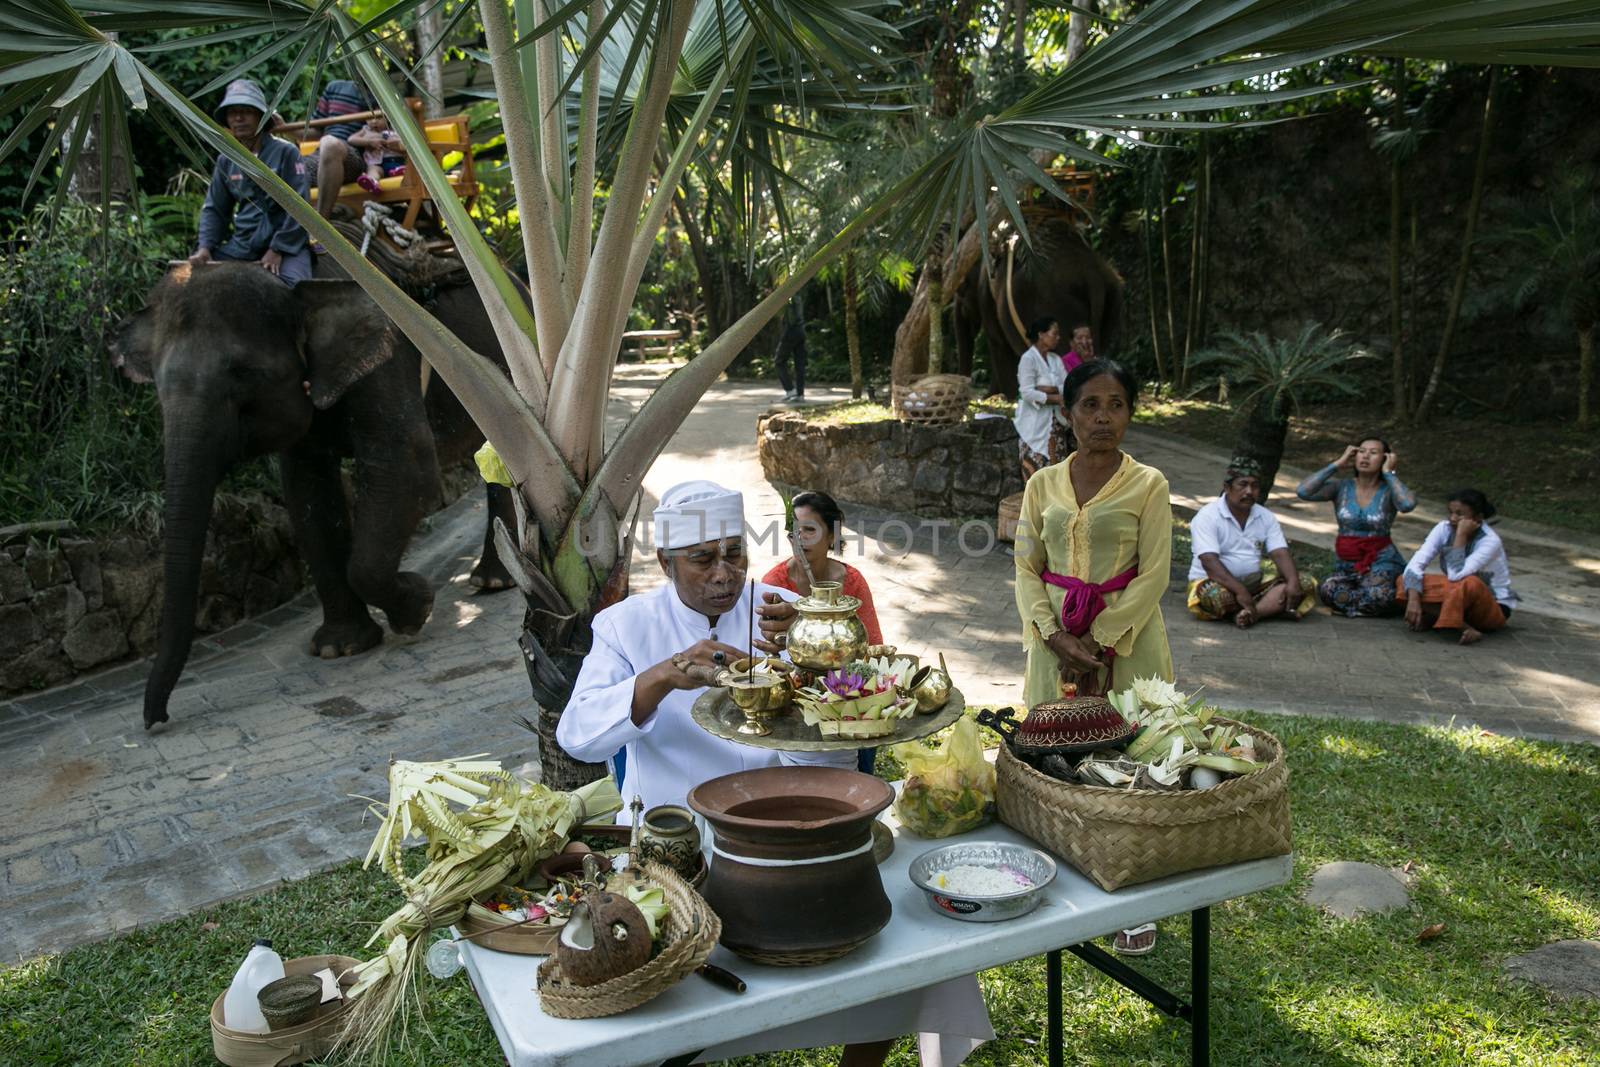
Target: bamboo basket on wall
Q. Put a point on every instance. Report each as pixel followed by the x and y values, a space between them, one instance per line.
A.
pixel 1118 837
pixel 933 400
pixel 1005 525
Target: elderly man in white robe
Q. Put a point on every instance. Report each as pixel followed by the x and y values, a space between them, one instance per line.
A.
pixel 634 694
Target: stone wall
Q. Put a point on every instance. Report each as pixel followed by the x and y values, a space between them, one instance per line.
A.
pixel 70 602
pixel 956 471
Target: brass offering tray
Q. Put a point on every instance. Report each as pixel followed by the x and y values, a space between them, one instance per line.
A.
pixel 716 714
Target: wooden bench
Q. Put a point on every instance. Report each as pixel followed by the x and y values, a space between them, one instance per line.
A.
pixel 650 342
pixel 445 136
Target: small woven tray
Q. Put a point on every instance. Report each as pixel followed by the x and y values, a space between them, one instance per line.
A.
pixel 1118 837
pixel 691 932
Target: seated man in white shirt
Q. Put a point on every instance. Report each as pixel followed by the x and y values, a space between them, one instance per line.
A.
pixel 635 691
pixel 1242 568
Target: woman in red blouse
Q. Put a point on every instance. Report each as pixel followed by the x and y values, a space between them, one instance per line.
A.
pixel 819 528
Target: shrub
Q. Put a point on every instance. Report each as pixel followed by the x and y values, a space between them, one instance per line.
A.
pixel 77 440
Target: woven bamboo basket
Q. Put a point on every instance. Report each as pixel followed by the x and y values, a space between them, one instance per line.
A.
pixel 691 932
pixel 933 400
pixel 1005 524
pixel 1118 837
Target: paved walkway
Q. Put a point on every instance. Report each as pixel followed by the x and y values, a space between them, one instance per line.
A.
pixel 254 780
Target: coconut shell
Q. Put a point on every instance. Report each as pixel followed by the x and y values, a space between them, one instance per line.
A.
pixel 619 940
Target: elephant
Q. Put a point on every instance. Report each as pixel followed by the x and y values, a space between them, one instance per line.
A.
pixel 245 366
pixel 1058 274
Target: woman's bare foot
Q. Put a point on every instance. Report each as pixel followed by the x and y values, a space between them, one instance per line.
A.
pixel 1469 636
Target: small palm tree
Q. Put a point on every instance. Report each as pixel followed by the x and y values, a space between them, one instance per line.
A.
pixel 1270 378
pixel 1558 252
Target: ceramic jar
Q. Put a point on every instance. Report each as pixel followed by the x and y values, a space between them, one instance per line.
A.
pixel 793 878
pixel 827 634
pixel 669 836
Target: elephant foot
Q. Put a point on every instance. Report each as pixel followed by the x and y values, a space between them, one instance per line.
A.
pixel 490 576
pixel 335 639
pixel 411 605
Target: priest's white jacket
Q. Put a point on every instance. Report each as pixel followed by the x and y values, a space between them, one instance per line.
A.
pixel 669 754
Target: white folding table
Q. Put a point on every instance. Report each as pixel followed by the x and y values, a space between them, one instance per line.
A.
pixel 917 949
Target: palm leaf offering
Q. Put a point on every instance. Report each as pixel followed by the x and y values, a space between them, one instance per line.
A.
pixel 501 829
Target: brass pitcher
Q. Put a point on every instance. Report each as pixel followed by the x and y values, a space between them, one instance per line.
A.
pixel 828 634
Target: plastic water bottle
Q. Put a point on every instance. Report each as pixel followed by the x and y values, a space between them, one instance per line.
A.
pixel 240 1010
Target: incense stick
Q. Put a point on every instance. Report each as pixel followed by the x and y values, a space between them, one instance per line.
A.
pixel 750 645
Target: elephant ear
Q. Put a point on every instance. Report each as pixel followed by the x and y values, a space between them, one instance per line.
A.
pixel 345 337
pixel 133 346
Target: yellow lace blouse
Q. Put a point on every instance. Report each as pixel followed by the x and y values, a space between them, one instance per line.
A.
pixel 1128 522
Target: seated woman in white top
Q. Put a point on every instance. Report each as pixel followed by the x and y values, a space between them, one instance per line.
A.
pixel 1044 436
pixel 1473 594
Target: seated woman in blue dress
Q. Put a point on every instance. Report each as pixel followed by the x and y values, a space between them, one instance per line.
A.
pixel 1362 582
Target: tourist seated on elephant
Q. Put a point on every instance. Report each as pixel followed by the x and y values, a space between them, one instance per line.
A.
pixel 382 153
pixel 1044 435
pixel 816 528
pixel 1474 593
pixel 336 162
pixel 1362 582
pixel 238 220
pixel 1242 569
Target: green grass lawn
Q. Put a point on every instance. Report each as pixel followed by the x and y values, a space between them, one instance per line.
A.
pixel 1503 836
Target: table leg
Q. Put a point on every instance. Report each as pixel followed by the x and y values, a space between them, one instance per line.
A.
pixel 1052 993
pixel 1200 987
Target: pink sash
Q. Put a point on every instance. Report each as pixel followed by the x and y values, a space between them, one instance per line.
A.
pixel 1083 601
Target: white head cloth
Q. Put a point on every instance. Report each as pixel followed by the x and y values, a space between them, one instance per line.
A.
pixel 693 512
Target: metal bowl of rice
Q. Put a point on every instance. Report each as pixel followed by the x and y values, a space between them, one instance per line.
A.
pixel 983 881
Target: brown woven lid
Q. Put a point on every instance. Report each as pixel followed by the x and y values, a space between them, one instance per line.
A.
pixel 1084 722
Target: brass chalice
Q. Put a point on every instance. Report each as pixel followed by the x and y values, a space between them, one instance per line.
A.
pixel 760 695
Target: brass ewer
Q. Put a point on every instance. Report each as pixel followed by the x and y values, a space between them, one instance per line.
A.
pixel 827 635
pixel 930 687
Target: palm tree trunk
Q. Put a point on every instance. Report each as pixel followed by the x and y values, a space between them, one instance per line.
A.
pixel 1262 437
pixel 1585 371
pixel 428 45
pixel 1166 270
pixel 1147 240
pixel 1464 264
pixel 934 271
pixel 1396 214
pixel 1199 209
pixel 852 325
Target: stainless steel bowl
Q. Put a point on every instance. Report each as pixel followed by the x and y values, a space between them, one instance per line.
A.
pixel 1032 864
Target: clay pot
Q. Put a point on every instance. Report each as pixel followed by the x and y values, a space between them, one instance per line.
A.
pixel 669 836
pixel 792 873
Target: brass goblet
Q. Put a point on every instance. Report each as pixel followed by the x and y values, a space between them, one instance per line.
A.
pixel 760 696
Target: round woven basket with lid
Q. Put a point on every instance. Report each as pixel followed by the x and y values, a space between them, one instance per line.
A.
pixel 689 933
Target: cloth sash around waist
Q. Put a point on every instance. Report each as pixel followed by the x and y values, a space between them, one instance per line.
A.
pixel 1360 551
pixel 1081 601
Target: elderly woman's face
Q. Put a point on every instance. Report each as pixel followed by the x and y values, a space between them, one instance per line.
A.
pixel 709 576
pixel 1100 414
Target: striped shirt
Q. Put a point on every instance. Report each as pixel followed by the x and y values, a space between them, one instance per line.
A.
pixel 341 98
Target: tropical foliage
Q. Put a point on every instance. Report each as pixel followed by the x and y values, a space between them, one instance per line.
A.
pixel 1271 378
pixel 629 96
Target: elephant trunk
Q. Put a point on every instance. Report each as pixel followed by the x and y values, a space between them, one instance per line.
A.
pixel 194 461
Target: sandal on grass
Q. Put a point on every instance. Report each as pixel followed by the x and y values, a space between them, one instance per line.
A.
pixel 1138 941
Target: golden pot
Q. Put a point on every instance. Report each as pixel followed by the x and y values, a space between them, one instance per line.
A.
pixel 828 634
pixel 930 688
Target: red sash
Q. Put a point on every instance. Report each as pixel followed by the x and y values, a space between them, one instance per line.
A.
pixel 1363 552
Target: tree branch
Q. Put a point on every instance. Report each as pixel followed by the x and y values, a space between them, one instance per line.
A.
pixel 582 376
pixel 580 231
pixel 528 180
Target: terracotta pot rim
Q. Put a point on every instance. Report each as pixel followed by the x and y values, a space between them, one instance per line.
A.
pixel 718 817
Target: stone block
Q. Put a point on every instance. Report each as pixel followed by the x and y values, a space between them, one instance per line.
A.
pixel 83 557
pixel 931 478
pixel 46 566
pixel 58 609
pixel 14 585
pixel 39 666
pixel 96 638
pixel 18 629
